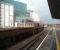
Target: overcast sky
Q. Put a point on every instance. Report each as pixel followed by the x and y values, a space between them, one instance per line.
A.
pixel 41 7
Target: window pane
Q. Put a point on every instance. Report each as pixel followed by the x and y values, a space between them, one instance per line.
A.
pixel 6 6
pixel 11 7
pixel 11 12
pixel 2 13
pixel 11 20
pixel 2 5
pixel 6 24
pixel 7 19
pixel 6 13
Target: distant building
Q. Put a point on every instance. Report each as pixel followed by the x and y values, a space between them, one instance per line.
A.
pixel 6 15
pixel 20 10
pixel 11 12
pixel 33 16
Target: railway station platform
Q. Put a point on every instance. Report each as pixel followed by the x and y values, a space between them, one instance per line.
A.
pixel 51 41
pixel 58 39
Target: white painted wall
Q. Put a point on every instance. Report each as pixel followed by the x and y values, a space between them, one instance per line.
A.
pixel 7 15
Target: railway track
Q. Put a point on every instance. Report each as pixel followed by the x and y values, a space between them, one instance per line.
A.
pixel 39 39
pixel 29 43
pixel 10 37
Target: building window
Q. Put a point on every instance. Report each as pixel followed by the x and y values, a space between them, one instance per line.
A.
pixel 6 15
pixel 2 6
pixel 6 7
pixel 11 10
pixel 0 9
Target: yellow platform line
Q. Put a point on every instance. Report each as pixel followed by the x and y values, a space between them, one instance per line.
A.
pixel 57 42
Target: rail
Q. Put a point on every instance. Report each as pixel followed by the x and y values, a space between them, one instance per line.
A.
pixel 24 43
pixel 10 37
pixel 46 42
